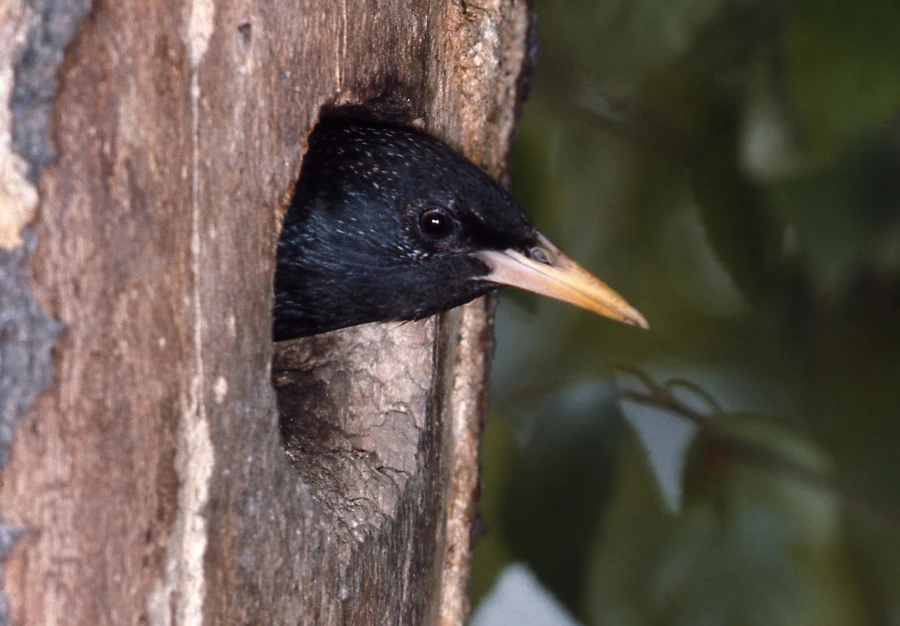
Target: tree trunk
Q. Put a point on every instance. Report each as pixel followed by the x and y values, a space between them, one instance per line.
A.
pixel 146 153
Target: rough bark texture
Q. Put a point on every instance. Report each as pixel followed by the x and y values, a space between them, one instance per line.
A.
pixel 146 150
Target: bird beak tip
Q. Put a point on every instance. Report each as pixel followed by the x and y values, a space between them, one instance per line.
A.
pixel 636 319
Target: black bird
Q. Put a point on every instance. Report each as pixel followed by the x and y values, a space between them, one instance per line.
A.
pixel 389 224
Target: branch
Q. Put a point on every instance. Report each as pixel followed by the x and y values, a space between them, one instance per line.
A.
pixel 661 397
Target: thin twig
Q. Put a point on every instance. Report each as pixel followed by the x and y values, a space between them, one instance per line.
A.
pixel 680 383
pixel 660 396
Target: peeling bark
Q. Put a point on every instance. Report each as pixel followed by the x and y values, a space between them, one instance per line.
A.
pixel 173 473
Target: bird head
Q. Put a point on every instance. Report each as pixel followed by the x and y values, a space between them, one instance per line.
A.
pixel 389 224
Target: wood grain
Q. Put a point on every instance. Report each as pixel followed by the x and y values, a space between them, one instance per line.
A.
pixel 156 481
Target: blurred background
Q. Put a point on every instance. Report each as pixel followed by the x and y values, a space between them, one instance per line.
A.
pixel 732 167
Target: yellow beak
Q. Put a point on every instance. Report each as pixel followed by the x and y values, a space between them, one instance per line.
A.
pixel 551 273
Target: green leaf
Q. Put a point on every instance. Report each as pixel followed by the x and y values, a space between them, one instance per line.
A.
pixel 731 207
pixel 746 462
pixel 622 41
pixel 560 486
pixel 492 554
pixel 843 62
pixel 836 214
pixel 626 551
pixel 753 546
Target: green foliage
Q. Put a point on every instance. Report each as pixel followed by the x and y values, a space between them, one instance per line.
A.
pixel 843 63
pixel 497 448
pixel 748 546
pixel 733 168
pixel 557 487
pixel 732 209
pixel 612 36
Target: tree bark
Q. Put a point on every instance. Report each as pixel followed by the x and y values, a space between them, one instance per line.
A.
pixel 158 466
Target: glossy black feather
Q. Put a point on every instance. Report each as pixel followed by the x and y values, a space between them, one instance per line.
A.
pixel 352 248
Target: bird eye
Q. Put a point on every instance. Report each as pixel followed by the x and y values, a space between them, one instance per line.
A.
pixel 435 224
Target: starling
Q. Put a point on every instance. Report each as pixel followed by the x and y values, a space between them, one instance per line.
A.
pixel 388 224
